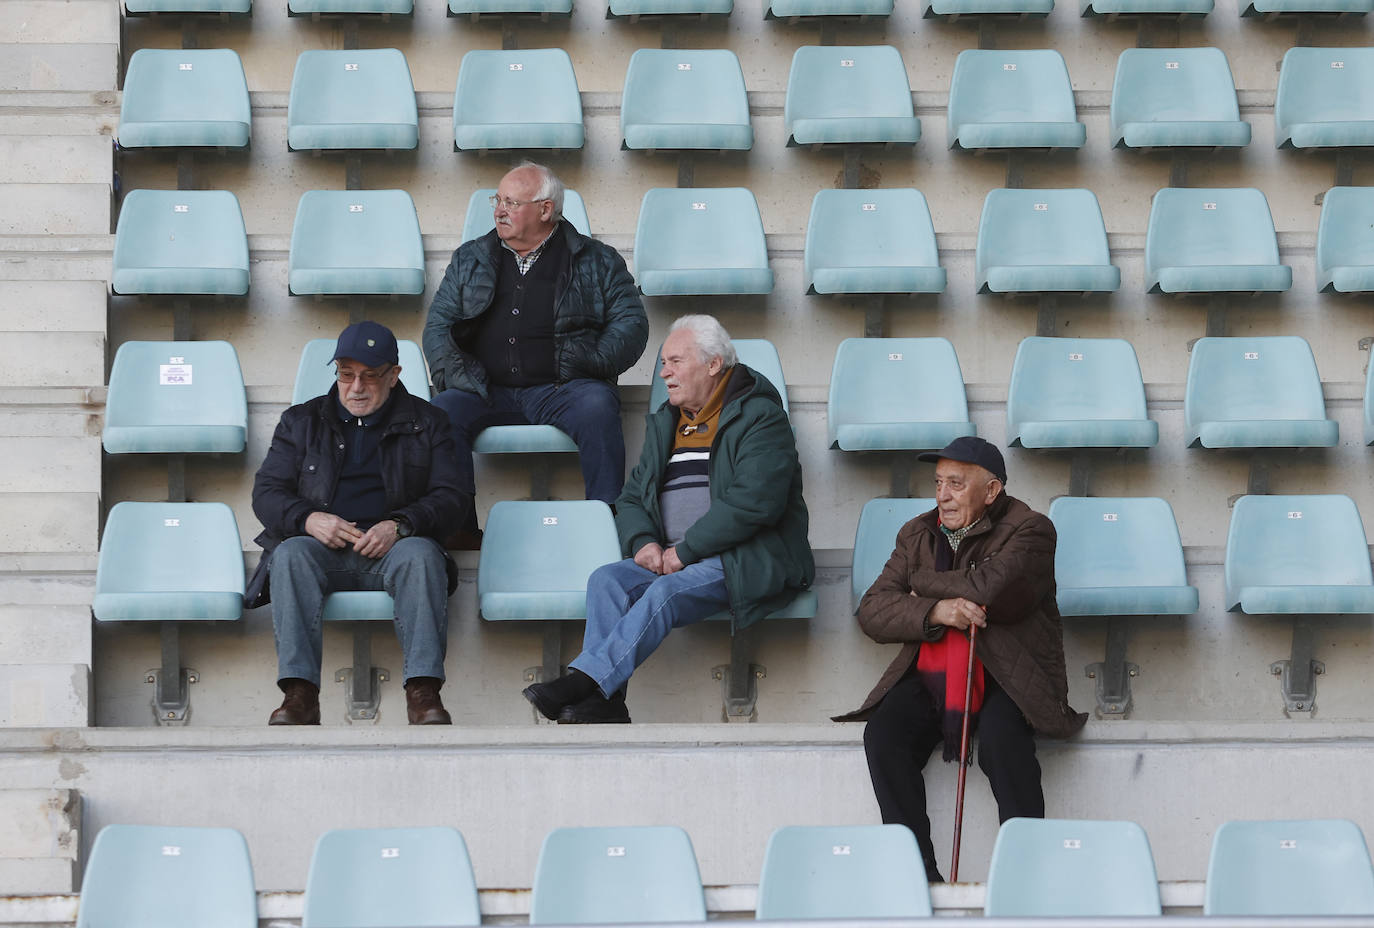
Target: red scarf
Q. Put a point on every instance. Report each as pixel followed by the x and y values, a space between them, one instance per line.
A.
pixel 943 668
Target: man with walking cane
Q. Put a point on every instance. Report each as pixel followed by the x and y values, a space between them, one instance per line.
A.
pixel 982 562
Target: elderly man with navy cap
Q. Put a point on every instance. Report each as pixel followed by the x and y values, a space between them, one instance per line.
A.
pixel 356 487
pixel 983 558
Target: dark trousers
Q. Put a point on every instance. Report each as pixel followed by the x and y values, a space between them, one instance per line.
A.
pixel 904 730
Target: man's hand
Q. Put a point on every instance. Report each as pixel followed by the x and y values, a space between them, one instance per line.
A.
pixel 331 531
pixel 377 541
pixel 650 557
pixel 958 613
pixel 671 562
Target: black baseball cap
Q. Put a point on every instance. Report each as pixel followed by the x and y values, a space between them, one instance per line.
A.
pixel 369 342
pixel 970 449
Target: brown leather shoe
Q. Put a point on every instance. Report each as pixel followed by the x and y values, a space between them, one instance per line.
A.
pixel 301 705
pixel 423 705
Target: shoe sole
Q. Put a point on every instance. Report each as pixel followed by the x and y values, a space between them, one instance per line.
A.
pixel 547 709
pixel 576 721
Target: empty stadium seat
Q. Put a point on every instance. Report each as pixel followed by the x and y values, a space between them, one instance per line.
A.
pixel 871 241
pixel 626 874
pixel 542 8
pixel 1314 867
pixel 356 242
pixel 1012 99
pixel 1058 867
pixel 1271 8
pixel 756 353
pixel 374 7
pixel 1297 554
pixel 1078 393
pixel 150 7
pixel 380 877
pixel 537 555
pixel 180 242
pixel 875 539
pixel 353 99
pixel 1038 241
pixel 1113 8
pixel 1176 97
pixel 185 98
pixel 896 394
pixel 685 99
pixel 849 94
pixel 315 372
pixel 480 219
pixel 700 241
pixel 160 876
pixel 1345 241
pixel 1255 392
pixel 174 398
pixel 953 9
pixel 843 871
pixel 1323 99
pixel 633 9
pixel 1208 240
pixel 798 9
pixel 517 99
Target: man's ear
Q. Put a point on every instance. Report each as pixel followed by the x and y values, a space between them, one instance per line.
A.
pixel 994 487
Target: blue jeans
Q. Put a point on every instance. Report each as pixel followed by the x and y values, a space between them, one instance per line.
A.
pixel 304 572
pixel 630 610
pixel 588 410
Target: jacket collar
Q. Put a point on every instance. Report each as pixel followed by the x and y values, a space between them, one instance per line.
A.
pixel 573 240
pixel 403 412
pixel 990 517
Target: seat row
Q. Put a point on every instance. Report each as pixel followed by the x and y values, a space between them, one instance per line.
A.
pixel 165 876
pixel 685 99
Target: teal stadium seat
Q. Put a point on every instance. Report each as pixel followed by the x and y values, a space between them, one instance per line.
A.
pixel 356 242
pixel 871 241
pixel 1297 555
pixel 1114 8
pixel 1057 867
pixel 175 398
pixel 1369 406
pixel 1043 241
pixel 849 94
pixel 180 242
pixel 1273 8
pixel 1255 392
pixel 875 540
pixel 756 353
pixel 1176 98
pixel 685 99
pixel 381 877
pixel 480 219
pixel 701 241
pixel 608 875
pixel 350 7
pixel 1012 99
pixel 794 10
pixel 544 9
pixel 185 98
pixel 1119 556
pixel 160 876
pixel 517 99
pixel 1314 867
pixel 169 562
pixel 315 372
pixel 157 7
pixel 633 9
pixel 953 9
pixel 842 871
pixel 1324 98
pixel 896 394
pixel 1212 240
pixel 1078 393
pixel 354 99
pixel 1345 241
pixel 537 555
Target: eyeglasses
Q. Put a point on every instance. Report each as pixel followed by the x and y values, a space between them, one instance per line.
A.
pixel 510 204
pixel 368 377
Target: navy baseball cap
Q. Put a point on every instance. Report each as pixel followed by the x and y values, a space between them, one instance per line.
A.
pixel 970 449
pixel 368 342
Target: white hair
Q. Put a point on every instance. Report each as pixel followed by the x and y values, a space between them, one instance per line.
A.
pixel 550 187
pixel 711 339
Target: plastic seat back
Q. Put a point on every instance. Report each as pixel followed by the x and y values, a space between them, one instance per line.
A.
pixel 517 99
pixel 685 99
pixel 1323 98
pixel 380 877
pixel 896 394
pixel 1203 240
pixel 349 7
pixel 875 540
pixel 1180 8
pixel 797 9
pixel 1166 97
pixel 146 7
pixel 356 242
pixel 871 241
pixel 353 99
pixel 849 94
pixel 480 219
pixel 1260 392
pixel 1060 867
pixel 758 354
pixel 636 8
pixel 185 98
pixel 1012 99
pixel 1043 241
pixel 537 556
pixel 610 875
pixel 159 876
pixel 1345 240
pixel 174 398
pixel 180 242
pixel 701 241
pixel 1078 393
pixel 475 9
pixel 315 372
pixel 845 871
pixel 953 9
pixel 1369 406
pixel 1312 867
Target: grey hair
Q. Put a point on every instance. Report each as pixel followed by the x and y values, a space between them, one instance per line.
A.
pixel 550 187
pixel 711 339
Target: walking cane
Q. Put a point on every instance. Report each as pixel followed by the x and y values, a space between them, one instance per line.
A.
pixel 963 759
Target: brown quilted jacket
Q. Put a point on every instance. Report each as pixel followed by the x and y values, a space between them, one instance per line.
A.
pixel 1005 563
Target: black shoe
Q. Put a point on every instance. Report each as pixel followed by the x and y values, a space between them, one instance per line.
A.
pixel 597 710
pixel 553 697
pixel 301 705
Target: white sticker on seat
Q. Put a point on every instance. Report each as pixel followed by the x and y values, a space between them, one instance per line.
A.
pixel 517 66
pixel 1287 844
pixel 846 62
pixel 1008 67
pixel 870 207
pixel 1209 206
pixel 840 850
pixel 895 356
pixel 1072 844
pixel 355 207
pixel 615 851
pixel 550 520
pixel 1338 65
pixel 1171 65
pixel 1251 355
pixel 1109 517
pixel 349 66
pixel 181 207
pixel 390 852
pixel 1075 356
pixel 1042 207
pixel 174 375
pixel 171 850
pixel 185 66
pixel 684 66
pixel 698 206
pixel 1296 514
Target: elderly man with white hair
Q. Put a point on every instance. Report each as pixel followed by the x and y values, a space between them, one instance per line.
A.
pixel 712 518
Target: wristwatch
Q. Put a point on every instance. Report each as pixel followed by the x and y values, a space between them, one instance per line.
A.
pixel 403 527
